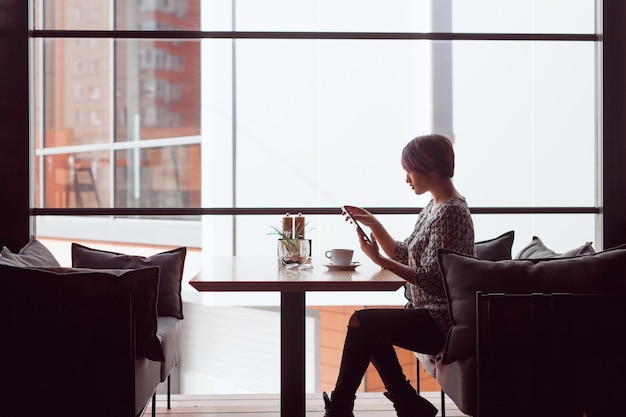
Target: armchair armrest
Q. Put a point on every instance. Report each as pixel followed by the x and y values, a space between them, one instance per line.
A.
pixel 69 353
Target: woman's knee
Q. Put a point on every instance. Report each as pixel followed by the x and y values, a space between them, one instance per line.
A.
pixel 354 320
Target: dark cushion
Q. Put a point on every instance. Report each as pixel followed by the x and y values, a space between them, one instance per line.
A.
pixel 463 276
pixel 57 282
pixel 537 249
pixel 34 253
pixel 171 263
pixel 496 249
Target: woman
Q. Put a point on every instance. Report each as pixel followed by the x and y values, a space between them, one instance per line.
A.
pixel 444 223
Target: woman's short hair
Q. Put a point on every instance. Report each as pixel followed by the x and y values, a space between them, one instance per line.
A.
pixel 427 153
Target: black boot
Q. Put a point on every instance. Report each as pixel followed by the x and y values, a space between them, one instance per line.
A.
pixel 338 407
pixel 408 403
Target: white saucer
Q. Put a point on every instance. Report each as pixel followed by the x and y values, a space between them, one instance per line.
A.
pixel 351 267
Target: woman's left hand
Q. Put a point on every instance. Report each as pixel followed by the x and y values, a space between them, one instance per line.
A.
pixel 370 248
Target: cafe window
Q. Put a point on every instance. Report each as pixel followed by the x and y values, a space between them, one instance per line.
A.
pixel 200 122
pixel 309 107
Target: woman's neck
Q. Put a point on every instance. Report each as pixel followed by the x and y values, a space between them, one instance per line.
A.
pixel 443 191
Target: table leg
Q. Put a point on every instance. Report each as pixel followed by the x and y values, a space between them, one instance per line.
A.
pixel 292 374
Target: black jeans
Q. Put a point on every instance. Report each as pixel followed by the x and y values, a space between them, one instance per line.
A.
pixel 373 339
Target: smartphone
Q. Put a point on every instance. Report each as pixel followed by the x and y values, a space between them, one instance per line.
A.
pixel 358 226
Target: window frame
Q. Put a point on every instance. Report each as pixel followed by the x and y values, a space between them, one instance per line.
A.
pixel 234 35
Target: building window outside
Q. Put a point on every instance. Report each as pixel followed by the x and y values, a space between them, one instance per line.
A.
pixel 156 98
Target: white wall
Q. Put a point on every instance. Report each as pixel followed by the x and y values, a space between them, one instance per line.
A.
pixel 237 350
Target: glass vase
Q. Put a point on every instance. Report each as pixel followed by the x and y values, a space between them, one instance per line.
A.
pixel 293 251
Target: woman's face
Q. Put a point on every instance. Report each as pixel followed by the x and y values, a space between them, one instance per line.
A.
pixel 420 183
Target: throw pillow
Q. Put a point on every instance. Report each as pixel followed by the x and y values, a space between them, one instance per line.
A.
pixel 34 253
pixel 56 282
pixel 537 249
pixel 171 263
pixel 496 249
pixel 463 276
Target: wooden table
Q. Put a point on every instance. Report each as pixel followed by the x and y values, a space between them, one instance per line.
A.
pixel 250 274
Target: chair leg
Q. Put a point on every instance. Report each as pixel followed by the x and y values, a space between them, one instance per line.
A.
pixel 443 394
pixel 417 379
pixel 443 404
pixel 154 404
pixel 168 393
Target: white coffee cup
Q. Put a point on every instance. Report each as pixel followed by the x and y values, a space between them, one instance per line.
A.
pixel 340 256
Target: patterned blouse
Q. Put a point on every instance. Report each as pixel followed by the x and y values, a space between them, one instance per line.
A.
pixel 448 226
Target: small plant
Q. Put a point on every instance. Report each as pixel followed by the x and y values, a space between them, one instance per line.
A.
pixel 288 238
pixel 292 248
